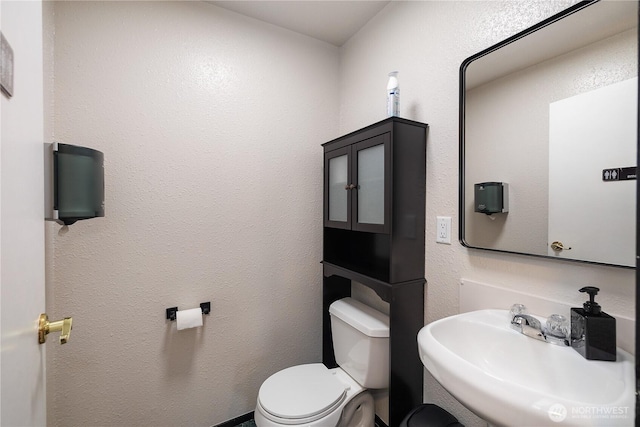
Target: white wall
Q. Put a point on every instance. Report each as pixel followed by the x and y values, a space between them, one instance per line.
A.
pixel 211 125
pixel 427 42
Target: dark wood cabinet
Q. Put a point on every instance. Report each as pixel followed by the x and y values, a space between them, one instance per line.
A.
pixel 374 225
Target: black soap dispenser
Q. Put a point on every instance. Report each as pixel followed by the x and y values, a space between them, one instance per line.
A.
pixel 593 332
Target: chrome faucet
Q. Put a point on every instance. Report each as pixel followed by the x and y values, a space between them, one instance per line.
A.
pixel 531 327
pixel 528 325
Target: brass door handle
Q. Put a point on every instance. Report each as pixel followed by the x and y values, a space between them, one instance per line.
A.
pixel 559 247
pixel 63 326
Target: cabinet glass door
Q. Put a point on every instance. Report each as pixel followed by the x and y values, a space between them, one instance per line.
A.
pixel 338 207
pixel 372 199
pixel 371 185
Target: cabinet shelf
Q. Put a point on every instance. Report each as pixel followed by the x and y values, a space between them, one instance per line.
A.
pixel 366 253
pixel 383 289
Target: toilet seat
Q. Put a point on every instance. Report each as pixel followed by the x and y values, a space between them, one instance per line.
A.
pixel 301 394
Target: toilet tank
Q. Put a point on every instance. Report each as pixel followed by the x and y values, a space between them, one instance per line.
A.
pixel 361 342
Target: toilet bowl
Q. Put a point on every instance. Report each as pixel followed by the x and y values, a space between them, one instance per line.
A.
pixel 315 396
pixel 312 395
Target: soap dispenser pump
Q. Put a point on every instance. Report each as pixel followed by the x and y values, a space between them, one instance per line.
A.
pixel 593 332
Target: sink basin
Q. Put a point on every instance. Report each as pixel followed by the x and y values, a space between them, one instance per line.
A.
pixel 507 378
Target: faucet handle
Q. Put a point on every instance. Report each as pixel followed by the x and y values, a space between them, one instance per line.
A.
pixel 517 309
pixel 558 329
pixel 558 326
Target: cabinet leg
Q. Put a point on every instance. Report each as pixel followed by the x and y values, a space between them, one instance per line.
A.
pixel 406 381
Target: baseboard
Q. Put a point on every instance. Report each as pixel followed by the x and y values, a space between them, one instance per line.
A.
pixel 238 420
pixel 380 423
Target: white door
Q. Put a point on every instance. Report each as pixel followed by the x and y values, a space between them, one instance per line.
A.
pixel 589 133
pixel 22 359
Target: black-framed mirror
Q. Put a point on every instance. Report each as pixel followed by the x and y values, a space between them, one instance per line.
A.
pixel 552 113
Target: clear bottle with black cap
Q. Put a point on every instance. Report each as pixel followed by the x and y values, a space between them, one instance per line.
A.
pixel 593 332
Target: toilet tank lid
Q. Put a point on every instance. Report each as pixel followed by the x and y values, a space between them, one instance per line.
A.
pixel 366 319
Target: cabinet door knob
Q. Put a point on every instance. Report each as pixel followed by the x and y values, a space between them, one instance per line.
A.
pixel 349 187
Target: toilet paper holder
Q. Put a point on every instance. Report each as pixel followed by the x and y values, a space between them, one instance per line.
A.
pixel 172 311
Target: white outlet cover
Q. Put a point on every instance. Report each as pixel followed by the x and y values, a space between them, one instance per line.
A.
pixel 443 229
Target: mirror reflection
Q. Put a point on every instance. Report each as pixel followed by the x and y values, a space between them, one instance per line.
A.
pixel 552 113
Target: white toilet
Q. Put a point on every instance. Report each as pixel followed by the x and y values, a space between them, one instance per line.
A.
pixel 313 395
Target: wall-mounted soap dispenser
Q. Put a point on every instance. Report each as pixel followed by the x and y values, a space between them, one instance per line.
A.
pixel 593 332
pixel 491 197
pixel 74 183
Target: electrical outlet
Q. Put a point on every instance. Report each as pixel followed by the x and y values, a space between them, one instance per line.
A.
pixel 443 229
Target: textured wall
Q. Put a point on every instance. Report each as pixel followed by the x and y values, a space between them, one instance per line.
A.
pixel 211 126
pixel 427 42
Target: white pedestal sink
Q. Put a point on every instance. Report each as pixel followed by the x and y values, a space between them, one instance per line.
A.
pixel 509 379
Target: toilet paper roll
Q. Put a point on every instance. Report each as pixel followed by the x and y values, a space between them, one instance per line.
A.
pixel 186 319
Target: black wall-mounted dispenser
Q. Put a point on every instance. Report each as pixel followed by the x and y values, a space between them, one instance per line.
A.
pixel 74 183
pixel 491 197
